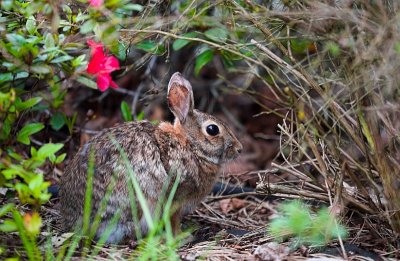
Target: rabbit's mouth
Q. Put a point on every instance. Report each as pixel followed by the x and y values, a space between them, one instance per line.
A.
pixel 230 155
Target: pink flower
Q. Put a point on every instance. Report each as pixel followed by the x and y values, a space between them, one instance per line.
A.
pixel 101 66
pixel 96 3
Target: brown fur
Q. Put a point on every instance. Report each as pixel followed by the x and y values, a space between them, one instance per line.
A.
pixel 157 154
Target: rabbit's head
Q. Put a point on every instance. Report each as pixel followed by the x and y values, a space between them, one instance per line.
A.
pixel 209 137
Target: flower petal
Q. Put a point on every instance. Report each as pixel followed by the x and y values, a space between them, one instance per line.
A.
pixel 113 85
pixel 103 81
pixel 97 63
pixel 111 64
pixel 95 47
pixel 95 66
pixel 96 3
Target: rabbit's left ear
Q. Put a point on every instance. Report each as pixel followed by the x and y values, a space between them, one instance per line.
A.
pixel 180 97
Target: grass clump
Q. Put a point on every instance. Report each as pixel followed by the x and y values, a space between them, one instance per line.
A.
pixel 297 220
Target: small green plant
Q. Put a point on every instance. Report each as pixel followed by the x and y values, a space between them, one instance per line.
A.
pixel 297 220
pixel 21 174
pixel 127 113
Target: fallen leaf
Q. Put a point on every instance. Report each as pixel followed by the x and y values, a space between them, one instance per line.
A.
pixel 238 203
pixel 58 241
pixel 225 205
pixel 271 251
pixel 229 204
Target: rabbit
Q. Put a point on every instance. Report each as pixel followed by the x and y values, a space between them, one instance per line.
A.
pixel 194 147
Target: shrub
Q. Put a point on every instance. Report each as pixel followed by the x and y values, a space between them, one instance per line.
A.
pixel 41 58
pixel 335 83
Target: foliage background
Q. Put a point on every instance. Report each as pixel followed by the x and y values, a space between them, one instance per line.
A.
pixel 310 86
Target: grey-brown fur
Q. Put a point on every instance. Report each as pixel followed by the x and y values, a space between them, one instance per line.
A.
pixel 157 154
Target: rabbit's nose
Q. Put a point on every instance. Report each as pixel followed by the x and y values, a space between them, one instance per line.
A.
pixel 239 147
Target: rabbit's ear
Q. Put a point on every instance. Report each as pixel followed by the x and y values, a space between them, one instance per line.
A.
pixel 180 96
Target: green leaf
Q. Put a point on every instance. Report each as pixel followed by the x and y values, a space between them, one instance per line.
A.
pixel 140 116
pixel 35 184
pixel 57 121
pixel 8 226
pixel 10 173
pixel 60 158
pixel 88 26
pixel 6 208
pixel 147 45
pixel 40 68
pixel 21 75
pixel 151 47
pixel 20 106
pixel 133 7
pixel 31 25
pixel 15 156
pixel 119 49
pixel 6 77
pixel 49 41
pixel 217 34
pixel 16 39
pixel 61 59
pixel 33 151
pixel 201 60
pixel 28 130
pixel 52 158
pixel 78 60
pixel 126 111
pixel 66 9
pixel 66 28
pixel 81 17
pixel 48 149
pixel 180 43
pixel 6 128
pixel 87 82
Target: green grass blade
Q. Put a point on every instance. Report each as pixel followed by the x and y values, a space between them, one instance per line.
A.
pixel 88 194
pixel 134 209
pixel 72 246
pixel 167 210
pixel 103 205
pixel 107 232
pixel 139 194
pixel 49 251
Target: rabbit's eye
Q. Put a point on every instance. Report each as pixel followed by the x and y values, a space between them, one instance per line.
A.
pixel 212 129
